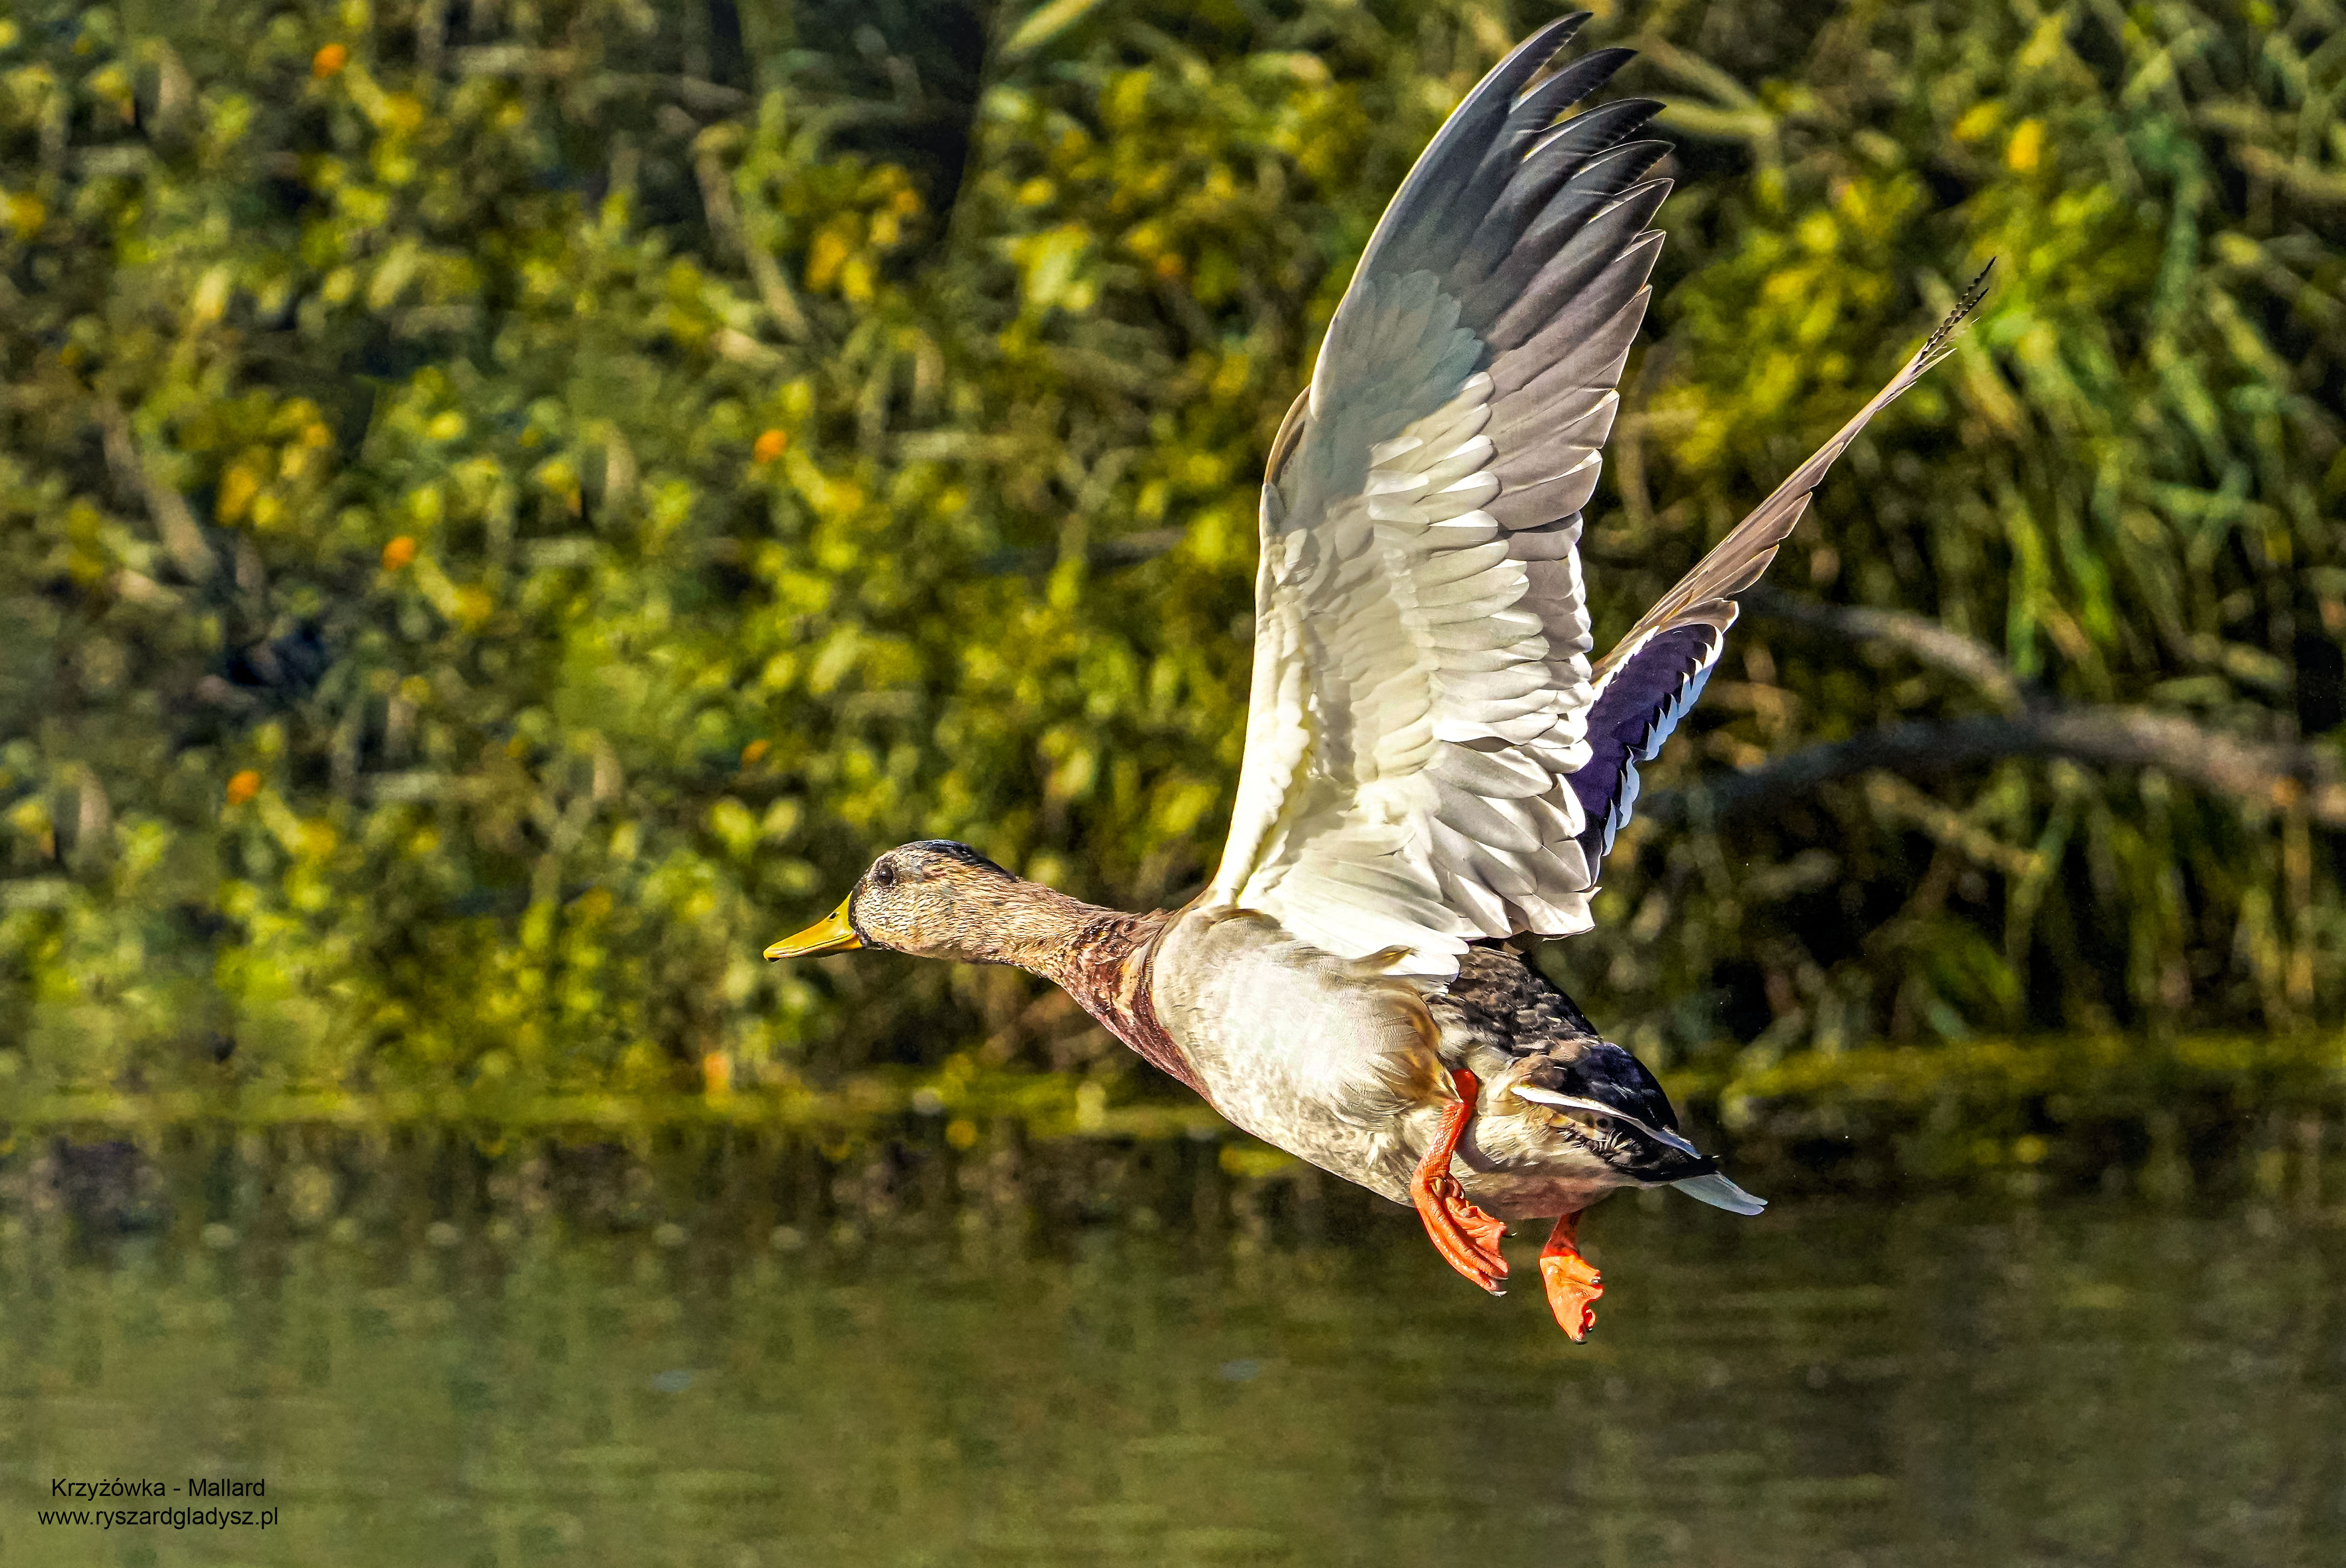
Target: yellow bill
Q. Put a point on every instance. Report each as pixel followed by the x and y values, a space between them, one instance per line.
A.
pixel 833 933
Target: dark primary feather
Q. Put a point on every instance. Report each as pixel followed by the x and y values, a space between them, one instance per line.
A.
pixel 1538 230
pixel 1412 234
pixel 1588 221
pixel 1543 172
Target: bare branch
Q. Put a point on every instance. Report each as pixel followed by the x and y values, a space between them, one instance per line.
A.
pixel 1925 638
pixel 2031 724
pixel 2263 775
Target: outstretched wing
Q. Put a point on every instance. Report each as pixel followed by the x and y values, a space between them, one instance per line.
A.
pixel 1422 681
pixel 1644 686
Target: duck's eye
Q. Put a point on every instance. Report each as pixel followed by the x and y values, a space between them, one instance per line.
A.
pixel 883 876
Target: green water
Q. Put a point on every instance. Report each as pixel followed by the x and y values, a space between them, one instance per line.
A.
pixel 1835 1384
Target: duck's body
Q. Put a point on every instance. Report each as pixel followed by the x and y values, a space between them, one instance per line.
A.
pixel 1326 1057
pixel 1344 1066
pixel 1478 1099
pixel 1433 765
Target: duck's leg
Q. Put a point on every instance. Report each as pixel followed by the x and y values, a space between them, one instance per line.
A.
pixel 1573 1286
pixel 1467 1238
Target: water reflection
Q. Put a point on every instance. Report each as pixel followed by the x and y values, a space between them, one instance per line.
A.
pixel 2085 1381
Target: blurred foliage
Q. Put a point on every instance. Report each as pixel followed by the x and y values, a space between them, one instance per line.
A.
pixel 508 504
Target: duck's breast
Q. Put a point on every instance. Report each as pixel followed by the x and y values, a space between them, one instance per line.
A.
pixel 1322 1056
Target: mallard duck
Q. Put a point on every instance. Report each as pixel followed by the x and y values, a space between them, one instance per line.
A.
pixel 1434 768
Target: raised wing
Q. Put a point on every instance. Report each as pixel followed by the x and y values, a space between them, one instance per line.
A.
pixel 1644 686
pixel 1421 680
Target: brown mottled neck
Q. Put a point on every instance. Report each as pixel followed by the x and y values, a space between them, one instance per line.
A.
pixel 1103 958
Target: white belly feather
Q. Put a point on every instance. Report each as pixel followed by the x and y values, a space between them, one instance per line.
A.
pixel 1322 1056
pixel 1341 1065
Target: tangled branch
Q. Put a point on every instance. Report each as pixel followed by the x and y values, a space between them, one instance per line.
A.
pixel 2033 724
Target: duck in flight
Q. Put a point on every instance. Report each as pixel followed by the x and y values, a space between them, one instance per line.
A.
pixel 1433 767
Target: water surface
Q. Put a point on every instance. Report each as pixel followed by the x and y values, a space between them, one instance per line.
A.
pixel 1940 1383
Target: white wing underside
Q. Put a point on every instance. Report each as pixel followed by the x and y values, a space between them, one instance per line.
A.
pixel 1419 691
pixel 1422 675
pixel 1418 770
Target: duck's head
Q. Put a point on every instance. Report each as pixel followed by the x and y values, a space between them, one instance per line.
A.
pixel 933 899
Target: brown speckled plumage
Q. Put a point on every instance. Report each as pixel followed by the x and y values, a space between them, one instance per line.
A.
pixel 1502 1020
pixel 1107 968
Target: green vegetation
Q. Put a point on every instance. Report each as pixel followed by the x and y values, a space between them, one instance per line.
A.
pixel 504 507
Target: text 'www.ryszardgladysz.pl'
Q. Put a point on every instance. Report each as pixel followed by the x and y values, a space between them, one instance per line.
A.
pixel 130 1503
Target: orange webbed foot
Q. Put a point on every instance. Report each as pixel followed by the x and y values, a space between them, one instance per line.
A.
pixel 1467 1238
pixel 1573 1284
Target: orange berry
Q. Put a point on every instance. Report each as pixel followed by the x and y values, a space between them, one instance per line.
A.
pixel 328 60
pixel 242 786
pixel 770 445
pixel 398 553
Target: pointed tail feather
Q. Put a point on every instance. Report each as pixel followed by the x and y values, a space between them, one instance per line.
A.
pixel 1736 562
pixel 1574 1103
pixel 1720 1193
